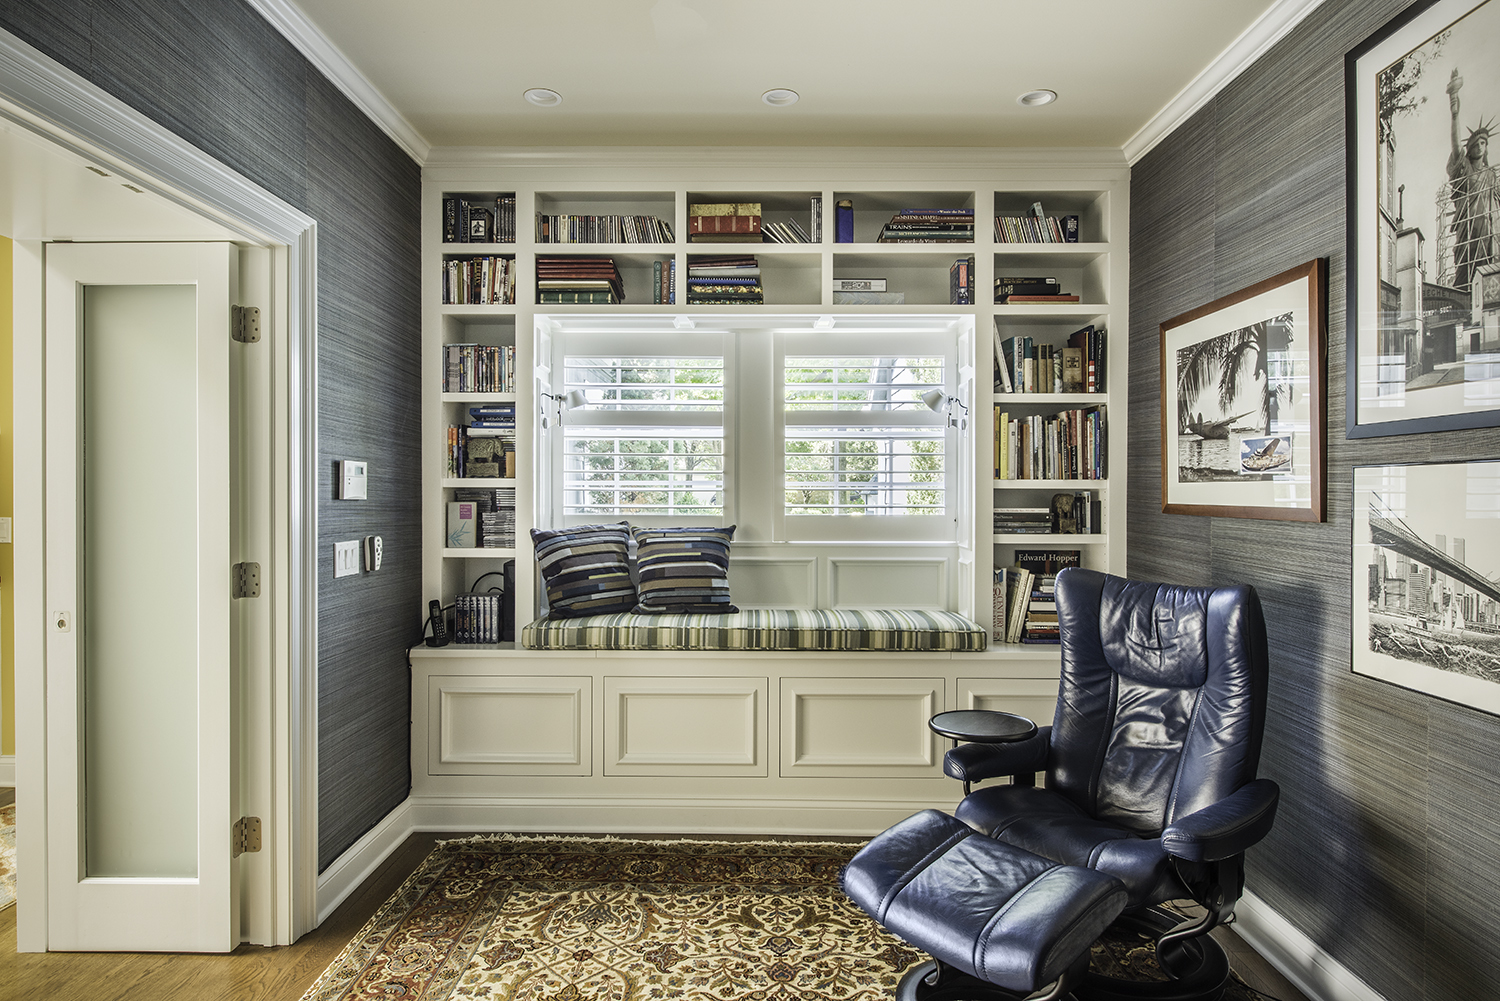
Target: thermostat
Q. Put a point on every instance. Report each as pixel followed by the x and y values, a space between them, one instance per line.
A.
pixel 353 476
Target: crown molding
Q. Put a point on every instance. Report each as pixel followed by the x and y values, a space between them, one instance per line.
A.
pixel 1270 28
pixel 443 161
pixel 288 19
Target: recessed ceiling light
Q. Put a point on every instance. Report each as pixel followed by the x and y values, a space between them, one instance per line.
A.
pixel 779 97
pixel 1037 98
pixel 543 98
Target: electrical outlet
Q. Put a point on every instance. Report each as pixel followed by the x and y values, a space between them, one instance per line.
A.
pixel 373 547
pixel 346 558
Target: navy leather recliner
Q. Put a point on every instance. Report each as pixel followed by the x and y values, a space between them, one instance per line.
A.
pixel 1149 788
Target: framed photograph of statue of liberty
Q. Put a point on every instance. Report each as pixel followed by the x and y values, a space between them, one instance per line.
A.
pixel 1242 411
pixel 1426 578
pixel 1422 100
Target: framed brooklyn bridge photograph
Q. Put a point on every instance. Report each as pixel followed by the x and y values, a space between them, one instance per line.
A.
pixel 1242 410
pixel 1426 581
pixel 1422 102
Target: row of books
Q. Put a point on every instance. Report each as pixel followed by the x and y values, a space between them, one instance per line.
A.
pixel 480 281
pixel 664 281
pixel 494 509
pixel 1025 595
pixel 961 281
pixel 477 618
pixel 724 280
pixel 1024 366
pixel 929 226
pixel 1074 513
pixel 480 452
pixel 1069 445
pixel 479 368
pixel 602 229
pixel 479 219
pixel 578 279
pixel 1038 227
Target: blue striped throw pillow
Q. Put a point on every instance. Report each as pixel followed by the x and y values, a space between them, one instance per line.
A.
pixel 683 570
pixel 586 569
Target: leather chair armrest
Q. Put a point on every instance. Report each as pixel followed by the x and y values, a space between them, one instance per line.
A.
pixel 1226 828
pixel 972 762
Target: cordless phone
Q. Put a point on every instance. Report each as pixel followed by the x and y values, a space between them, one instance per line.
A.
pixel 439 619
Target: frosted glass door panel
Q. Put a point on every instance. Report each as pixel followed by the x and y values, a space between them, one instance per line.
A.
pixel 138 452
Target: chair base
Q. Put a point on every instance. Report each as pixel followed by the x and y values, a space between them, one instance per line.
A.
pixel 934 981
pixel 1198 966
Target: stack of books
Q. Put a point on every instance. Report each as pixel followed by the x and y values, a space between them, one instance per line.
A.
pixel 961 282
pixel 479 219
pixel 929 226
pixel 1023 521
pixel 578 280
pixel 1041 602
pixel 1068 445
pixel 864 292
pixel 724 281
pixel 1029 288
pixel 496 511
pixel 486 447
pixel 601 229
pixel 1089 343
pixel 724 222
pixel 1038 227
pixel 479 281
pixel 479 368
pixel 784 232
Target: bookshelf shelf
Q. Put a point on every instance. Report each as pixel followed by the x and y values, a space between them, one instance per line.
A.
pixel 1042 539
pixel 479 553
pixel 797 279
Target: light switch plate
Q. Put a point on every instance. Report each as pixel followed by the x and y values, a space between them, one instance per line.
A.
pixel 353 479
pixel 4 530
pixel 346 558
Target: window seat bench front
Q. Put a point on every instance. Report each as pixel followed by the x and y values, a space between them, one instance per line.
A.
pixel 811 629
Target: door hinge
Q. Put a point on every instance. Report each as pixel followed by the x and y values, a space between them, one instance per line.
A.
pixel 246 580
pixel 246 835
pixel 246 325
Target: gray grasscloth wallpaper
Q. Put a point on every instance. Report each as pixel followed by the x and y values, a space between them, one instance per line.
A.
pixel 221 77
pixel 1385 851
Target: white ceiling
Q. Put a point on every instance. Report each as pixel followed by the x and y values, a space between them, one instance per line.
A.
pixel 869 72
pixel 48 193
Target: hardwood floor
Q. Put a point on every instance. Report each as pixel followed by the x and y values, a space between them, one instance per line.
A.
pixel 284 974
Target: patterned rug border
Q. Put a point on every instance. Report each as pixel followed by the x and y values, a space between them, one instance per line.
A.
pixel 638 840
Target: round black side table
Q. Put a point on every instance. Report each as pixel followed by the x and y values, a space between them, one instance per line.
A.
pixel 983 726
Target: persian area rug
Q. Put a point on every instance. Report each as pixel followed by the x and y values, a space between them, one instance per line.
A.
pixel 523 918
pixel 7 856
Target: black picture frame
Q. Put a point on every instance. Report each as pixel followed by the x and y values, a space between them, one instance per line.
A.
pixel 1420 357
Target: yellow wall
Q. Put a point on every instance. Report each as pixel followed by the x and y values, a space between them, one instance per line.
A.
pixel 7 507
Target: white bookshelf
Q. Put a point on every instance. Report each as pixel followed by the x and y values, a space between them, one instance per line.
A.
pixel 797 279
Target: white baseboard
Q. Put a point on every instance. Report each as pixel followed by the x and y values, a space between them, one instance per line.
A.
pixel 8 770
pixel 362 858
pixel 1300 959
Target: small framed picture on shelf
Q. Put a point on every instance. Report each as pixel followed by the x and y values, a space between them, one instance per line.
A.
pixel 1242 408
pixel 1426 560
pixel 1422 100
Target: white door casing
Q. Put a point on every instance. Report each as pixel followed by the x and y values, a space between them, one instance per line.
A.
pixel 97 900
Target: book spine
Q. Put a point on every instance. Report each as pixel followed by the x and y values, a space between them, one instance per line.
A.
pixel 843 221
pixel 672 283
pixel 656 282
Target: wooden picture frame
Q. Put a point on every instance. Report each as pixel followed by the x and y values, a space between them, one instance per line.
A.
pixel 1426 552
pixel 1422 97
pixel 1242 401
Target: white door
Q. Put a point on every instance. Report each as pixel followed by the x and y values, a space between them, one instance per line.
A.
pixel 141 778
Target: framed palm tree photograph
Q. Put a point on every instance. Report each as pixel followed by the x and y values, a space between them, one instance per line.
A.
pixel 1242 404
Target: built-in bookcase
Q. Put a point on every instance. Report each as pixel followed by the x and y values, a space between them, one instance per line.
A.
pixel 798 278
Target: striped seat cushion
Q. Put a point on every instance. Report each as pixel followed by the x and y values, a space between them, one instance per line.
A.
pixel 585 569
pixel 761 629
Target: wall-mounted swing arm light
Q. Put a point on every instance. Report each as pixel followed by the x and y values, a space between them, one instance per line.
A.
pixel 571 400
pixel 939 402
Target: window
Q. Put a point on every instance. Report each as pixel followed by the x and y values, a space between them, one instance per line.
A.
pixel 858 440
pixel 793 433
pixel 650 441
